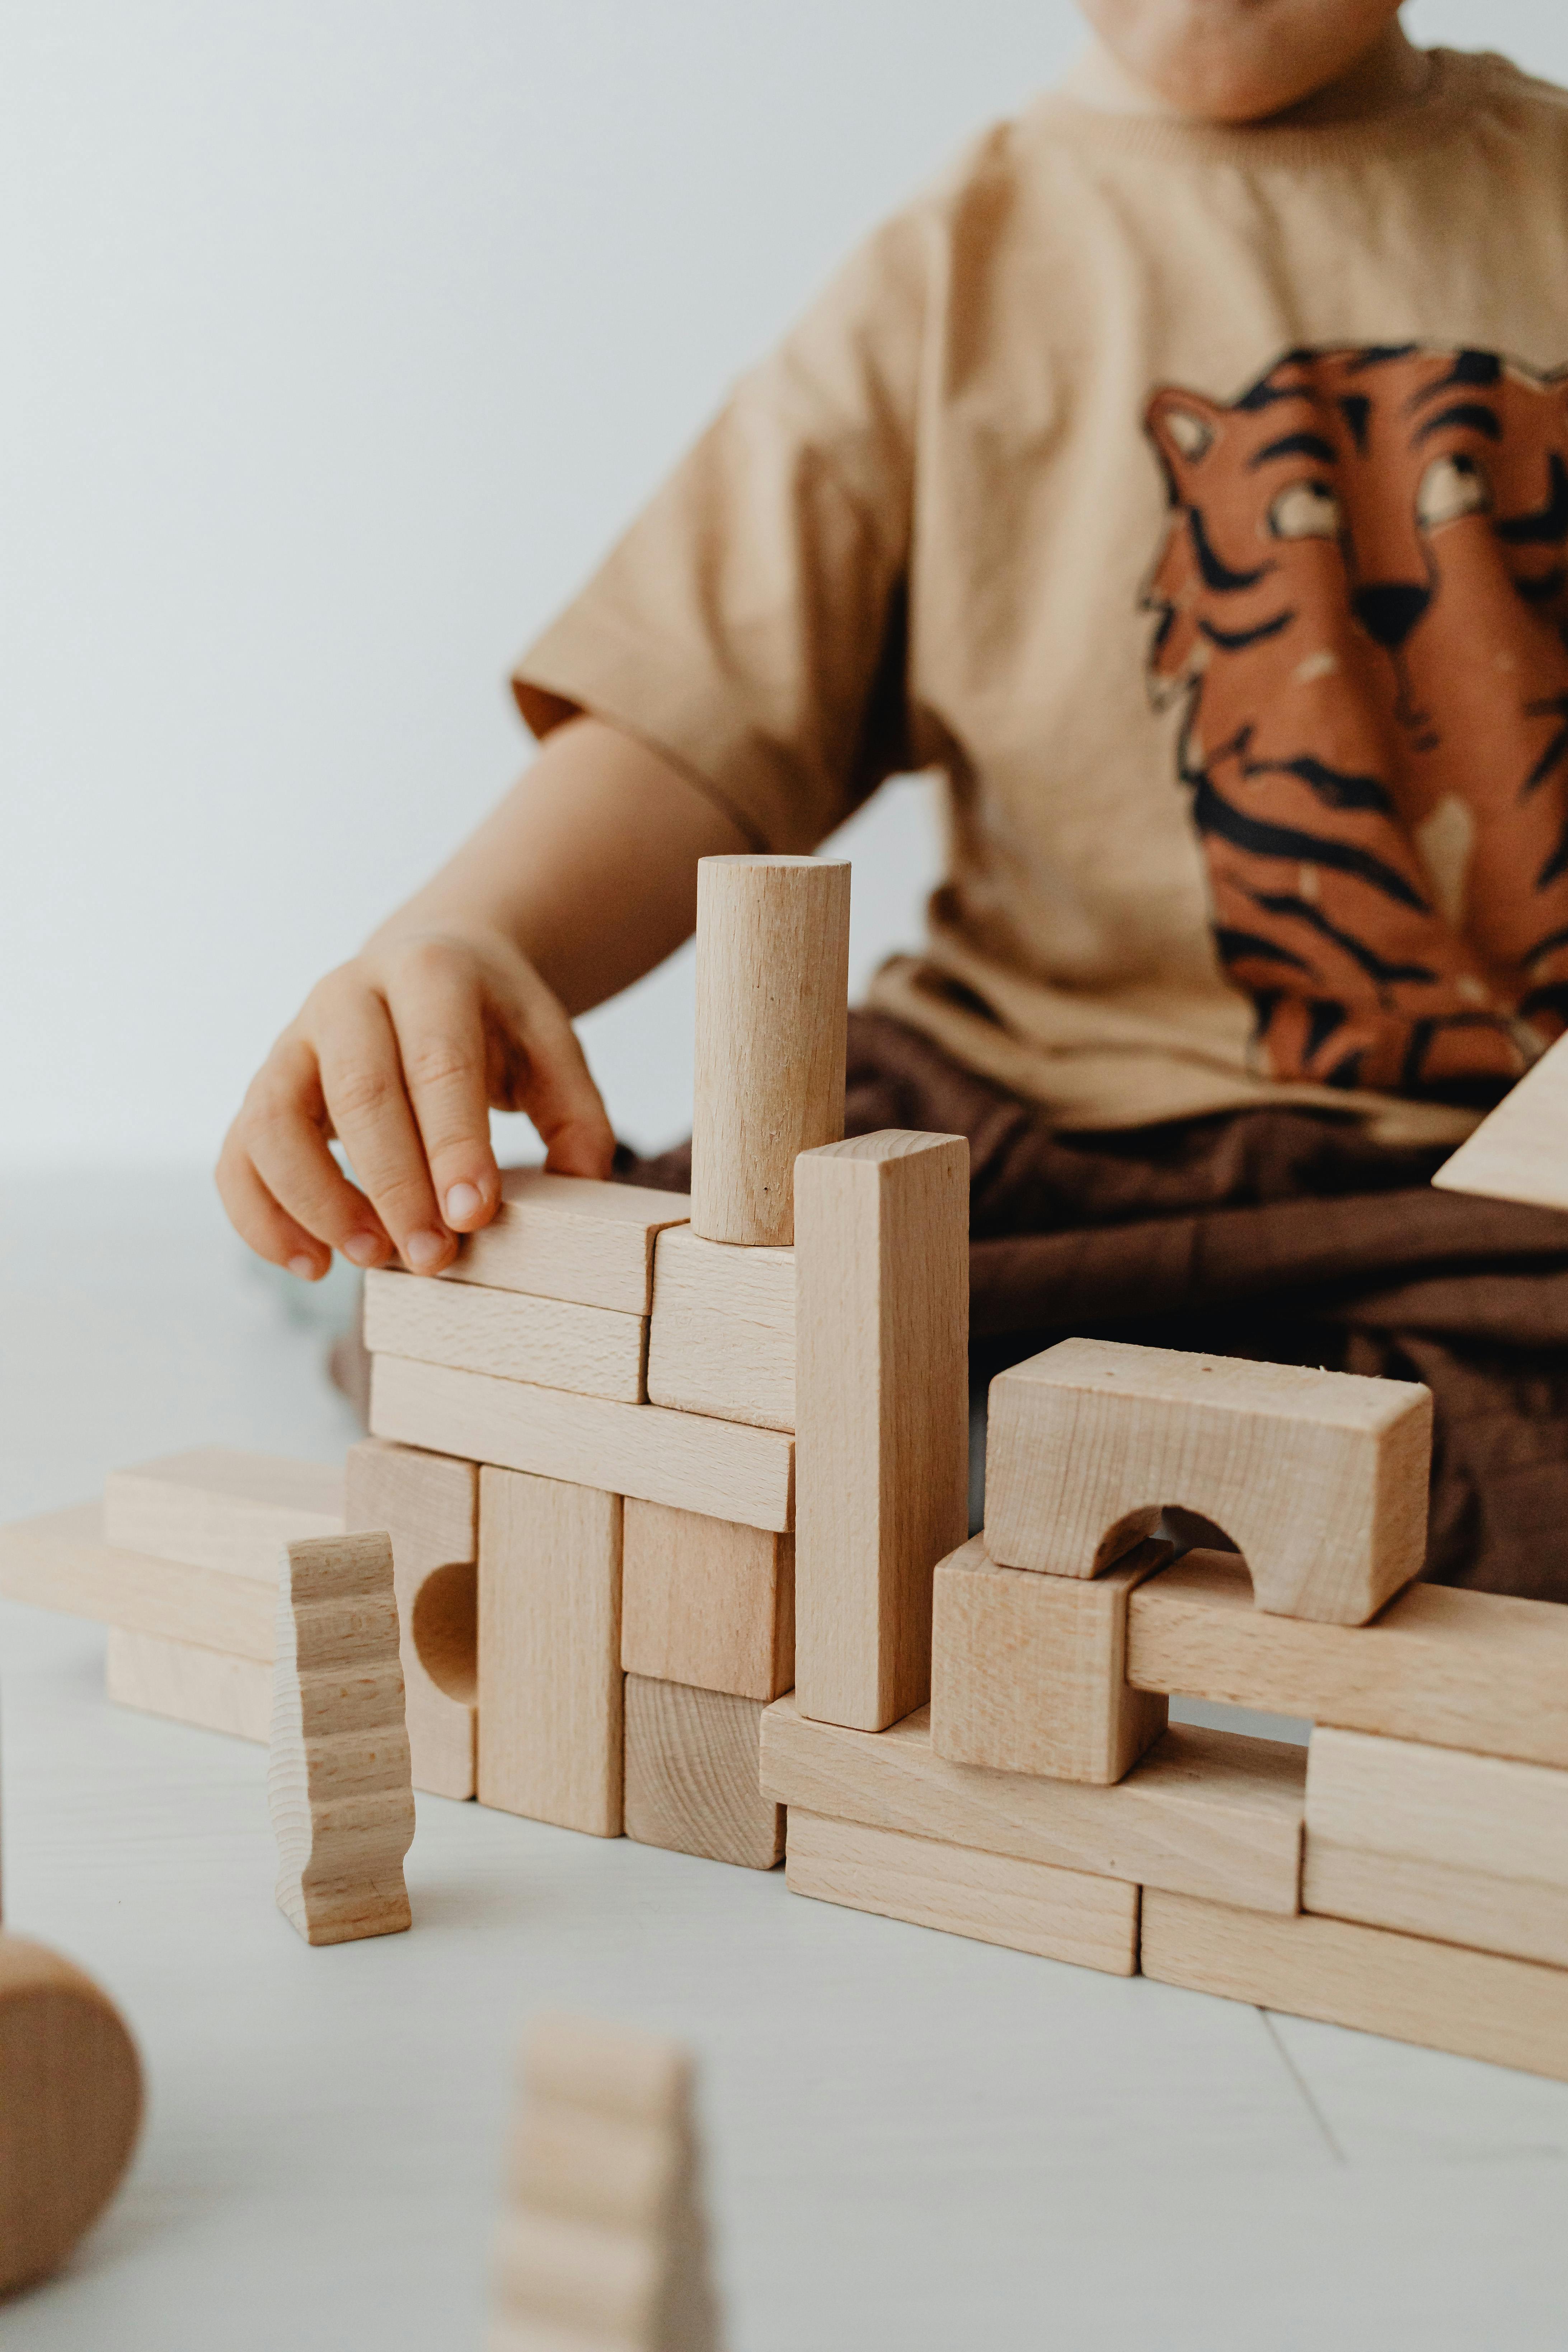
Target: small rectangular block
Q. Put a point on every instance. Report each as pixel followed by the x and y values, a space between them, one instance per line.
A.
pixel 1520 1151
pixel 550 1342
pixel 1516 1916
pixel 1029 1906
pixel 721 1341
pixel 188 1685
pixel 1028 1671
pixel 217 1506
pixel 571 1237
pixel 693 1782
pixel 707 1601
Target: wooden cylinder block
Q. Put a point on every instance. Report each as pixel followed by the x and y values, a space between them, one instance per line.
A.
pixel 70 2107
pixel 772 984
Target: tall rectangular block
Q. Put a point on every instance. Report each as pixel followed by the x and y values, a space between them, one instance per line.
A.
pixel 428 1504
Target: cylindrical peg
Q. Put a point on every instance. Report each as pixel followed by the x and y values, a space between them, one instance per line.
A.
pixel 773 980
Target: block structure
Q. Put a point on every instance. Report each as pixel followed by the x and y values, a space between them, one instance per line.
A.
pixel 1520 1151
pixel 339 1786
pixel 707 1601
pixel 721 1341
pixel 1319 1478
pixel 693 1777
pixel 882 1414
pixel 428 1504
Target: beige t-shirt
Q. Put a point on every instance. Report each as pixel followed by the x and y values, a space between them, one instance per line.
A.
pixel 1195 501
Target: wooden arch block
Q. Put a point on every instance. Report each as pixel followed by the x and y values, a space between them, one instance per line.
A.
pixel 428 1504
pixel 1319 1478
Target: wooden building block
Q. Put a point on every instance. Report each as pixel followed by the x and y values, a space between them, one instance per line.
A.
pixel 1030 1906
pixel 882 1414
pixel 338 1780
pixel 217 1508
pixel 59 1561
pixel 571 1237
pixel 1028 1671
pixel 205 1687
pixel 721 1341
pixel 1520 1151
pixel 1477 2004
pixel 1518 1915
pixel 1205 1812
pixel 772 992
pixel 1319 1478
pixel 1456 1669
pixel 429 1506
pixel 707 1601
pixel 692 1775
pixel 593 1350
pixel 719 1467
pixel 70 2107
pixel 550 1722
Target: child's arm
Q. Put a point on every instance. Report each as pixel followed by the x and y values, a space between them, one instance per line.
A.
pixel 580 880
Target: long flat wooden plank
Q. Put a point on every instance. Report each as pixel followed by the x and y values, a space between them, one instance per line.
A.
pixel 218 1507
pixel 60 1561
pixel 190 1684
pixel 1029 1906
pixel 721 1341
pixel 1477 2004
pixel 1517 1915
pixel 1520 1151
pixel 552 1342
pixel 571 1237
pixel 1206 1813
pixel 1439 1805
pixel 720 1467
pixel 1473 1670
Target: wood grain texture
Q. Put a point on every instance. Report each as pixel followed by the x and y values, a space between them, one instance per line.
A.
pixel 1029 1906
pixel 204 1687
pixel 692 1775
pixel 1205 1812
pixel 707 1601
pixel 882 1414
pixel 571 1237
pixel 772 992
pixel 59 1561
pixel 429 1506
pixel 1028 1671
pixel 1520 1151
pixel 1456 1669
pixel 721 1341
pixel 1436 1804
pixel 549 1720
pixel 552 1342
pixel 1319 1478
pixel 1517 1915
pixel 70 2107
pixel 720 1467
pixel 338 1781
pixel 219 1507
pixel 1477 2004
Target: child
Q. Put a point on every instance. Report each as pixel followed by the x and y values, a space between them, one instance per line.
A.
pixel 1186 476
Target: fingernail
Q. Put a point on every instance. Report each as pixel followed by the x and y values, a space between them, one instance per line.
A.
pixel 305 1267
pixel 364 1249
pixel 463 1201
pixel 423 1250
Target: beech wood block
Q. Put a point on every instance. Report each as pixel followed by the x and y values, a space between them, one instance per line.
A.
pixel 721 1339
pixel 773 993
pixel 719 1467
pixel 554 1344
pixel 429 1506
pixel 707 1601
pixel 1030 1906
pixel 1319 1478
pixel 338 1781
pixel 1520 1151
pixel 1205 1812
pixel 1028 1672
pixel 549 1720
pixel 571 1237
pixel 189 1685
pixel 1476 2004
pixel 882 1414
pixel 693 1775
pixel 70 2107
pixel 1518 1915
pixel 1456 1669
pixel 60 1561
pixel 217 1508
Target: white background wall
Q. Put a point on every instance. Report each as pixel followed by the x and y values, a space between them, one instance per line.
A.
pixel 339 337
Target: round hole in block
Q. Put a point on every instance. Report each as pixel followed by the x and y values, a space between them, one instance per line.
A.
pixel 1170 1523
pixel 446 1630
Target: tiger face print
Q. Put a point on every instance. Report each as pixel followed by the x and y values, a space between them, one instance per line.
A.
pixel 1363 597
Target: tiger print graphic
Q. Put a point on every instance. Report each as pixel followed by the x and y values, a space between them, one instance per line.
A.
pixel 1363 597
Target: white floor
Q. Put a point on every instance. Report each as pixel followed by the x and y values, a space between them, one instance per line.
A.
pixel 914 2141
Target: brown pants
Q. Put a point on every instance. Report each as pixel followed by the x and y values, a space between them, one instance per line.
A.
pixel 1284 1236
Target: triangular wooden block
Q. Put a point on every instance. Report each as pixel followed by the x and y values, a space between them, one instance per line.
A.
pixel 338 1782
pixel 603 2246
pixel 1520 1151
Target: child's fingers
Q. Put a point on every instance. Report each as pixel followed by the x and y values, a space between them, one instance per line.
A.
pixel 281 1130
pixel 258 1221
pixel 558 1094
pixel 361 1083
pixel 435 1012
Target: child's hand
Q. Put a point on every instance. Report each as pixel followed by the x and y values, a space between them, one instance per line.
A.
pixel 400 1054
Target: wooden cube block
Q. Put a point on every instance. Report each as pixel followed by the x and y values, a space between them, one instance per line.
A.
pixel 1029 1906
pixel 554 1344
pixel 1320 1477
pixel 1477 2004
pixel 707 1601
pixel 693 1781
pixel 59 1561
pixel 721 1341
pixel 550 1681
pixel 1030 1672
pixel 882 1414
pixel 571 1237
pixel 428 1504
pixel 219 1507
pixel 1520 1151
pixel 205 1687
